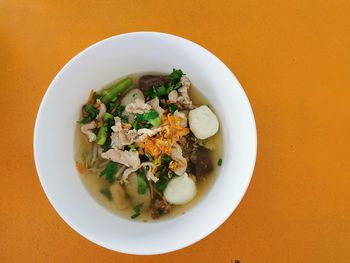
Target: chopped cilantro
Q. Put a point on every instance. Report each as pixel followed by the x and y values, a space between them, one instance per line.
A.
pixel 136 125
pixel 119 111
pixel 150 115
pixel 148 119
pixel 220 162
pixel 132 147
pixel 163 91
pixel 151 92
pixel 176 75
pixel 164 178
pixel 110 106
pixel 172 87
pixel 137 210
pixel 109 171
pixel 155 122
pixel 162 183
pixel 165 159
pixel 138 117
pixel 107 193
pixel 175 78
pixel 172 108
pixel 141 183
pixel 124 119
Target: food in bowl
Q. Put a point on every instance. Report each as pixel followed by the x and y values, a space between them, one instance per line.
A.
pixel 149 146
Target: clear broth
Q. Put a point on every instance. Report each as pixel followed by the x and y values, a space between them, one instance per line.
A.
pixel 94 183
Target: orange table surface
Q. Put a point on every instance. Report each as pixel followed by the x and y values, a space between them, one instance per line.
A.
pixel 293 60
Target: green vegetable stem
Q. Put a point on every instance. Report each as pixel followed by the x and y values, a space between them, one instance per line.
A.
pixel 101 135
pixel 103 131
pixel 112 92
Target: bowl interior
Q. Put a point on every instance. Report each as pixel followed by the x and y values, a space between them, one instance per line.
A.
pixel 94 68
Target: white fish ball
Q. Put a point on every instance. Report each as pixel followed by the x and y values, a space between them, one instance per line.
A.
pixel 203 122
pixel 180 190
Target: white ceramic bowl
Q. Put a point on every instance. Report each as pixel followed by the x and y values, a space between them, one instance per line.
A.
pixel 97 66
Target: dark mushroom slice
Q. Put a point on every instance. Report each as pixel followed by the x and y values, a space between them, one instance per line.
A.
pixel 201 158
pixel 148 81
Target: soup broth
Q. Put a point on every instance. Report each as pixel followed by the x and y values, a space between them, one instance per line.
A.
pixel 90 164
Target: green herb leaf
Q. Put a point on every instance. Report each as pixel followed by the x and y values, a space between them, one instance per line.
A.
pixel 110 106
pixel 108 123
pixel 107 145
pixel 109 171
pixel 124 119
pixel 107 193
pixel 132 147
pixel 92 113
pixel 163 91
pixel 150 115
pixel 141 183
pixel 137 210
pixel 119 111
pixel 175 80
pixel 160 186
pixel 136 125
pixel 164 178
pixel 176 75
pixel 152 92
pixel 220 162
pixel 165 159
pixel 146 120
pixel 172 108
pixel 155 122
pixel 138 117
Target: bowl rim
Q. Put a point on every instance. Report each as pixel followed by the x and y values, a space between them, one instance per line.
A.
pixel 210 229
